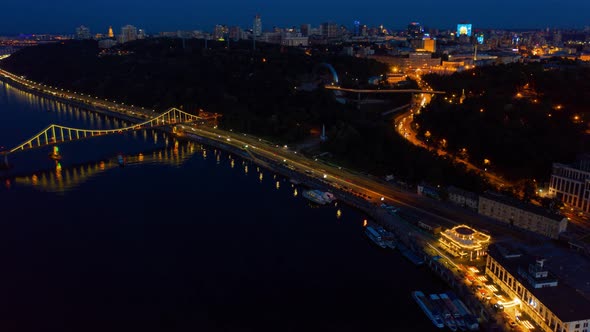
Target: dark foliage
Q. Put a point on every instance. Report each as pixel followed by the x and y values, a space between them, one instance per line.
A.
pixel 255 91
pixel 520 134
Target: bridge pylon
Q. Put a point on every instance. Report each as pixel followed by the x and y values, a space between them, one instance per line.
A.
pixel 5 164
pixel 55 153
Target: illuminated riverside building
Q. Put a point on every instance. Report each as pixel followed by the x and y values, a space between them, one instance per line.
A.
pixel 516 213
pixel 464 242
pixel 534 290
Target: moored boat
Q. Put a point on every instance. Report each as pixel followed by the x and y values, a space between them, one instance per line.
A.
pixel 374 236
pixel 319 197
pixel 447 317
pixel 452 309
pixel 429 309
pixel 315 196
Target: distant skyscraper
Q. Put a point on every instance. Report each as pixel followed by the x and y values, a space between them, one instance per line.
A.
pixel 235 33
pixel 364 30
pixel 329 30
pixel 357 28
pixel 415 30
pixel 220 32
pixel 557 37
pixel 111 34
pixel 141 34
pixel 257 27
pixel 128 33
pixel 82 32
pixel 305 30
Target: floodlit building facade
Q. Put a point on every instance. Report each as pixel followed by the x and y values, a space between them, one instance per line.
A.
pixel 571 184
pixel 519 214
pixel 534 290
pixel 465 242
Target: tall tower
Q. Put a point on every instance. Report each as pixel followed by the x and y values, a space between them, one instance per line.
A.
pixel 111 34
pixel 357 28
pixel 257 27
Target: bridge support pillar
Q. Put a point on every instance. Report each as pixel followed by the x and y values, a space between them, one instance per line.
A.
pixel 358 101
pixel 4 164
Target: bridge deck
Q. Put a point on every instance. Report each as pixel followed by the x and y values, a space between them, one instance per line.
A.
pixel 337 88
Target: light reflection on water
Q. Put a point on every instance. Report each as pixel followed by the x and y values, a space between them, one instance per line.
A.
pixel 66 178
pixel 62 180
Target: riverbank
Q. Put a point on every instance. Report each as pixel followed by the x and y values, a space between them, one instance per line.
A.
pixel 295 167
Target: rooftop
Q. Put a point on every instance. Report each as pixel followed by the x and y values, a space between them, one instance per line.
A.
pixel 565 301
pixel 465 237
pixel 459 191
pixel 522 205
pixel 464 230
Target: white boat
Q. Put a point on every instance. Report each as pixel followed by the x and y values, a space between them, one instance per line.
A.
pixel 429 309
pixel 315 196
pixel 319 197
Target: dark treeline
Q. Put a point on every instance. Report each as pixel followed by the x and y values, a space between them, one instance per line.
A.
pixel 257 92
pixel 521 117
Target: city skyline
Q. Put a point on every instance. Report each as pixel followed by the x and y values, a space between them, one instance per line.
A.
pixel 31 16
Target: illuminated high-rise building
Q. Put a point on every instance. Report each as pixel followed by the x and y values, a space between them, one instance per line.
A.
pixel 357 28
pixel 429 45
pixel 111 34
pixel 329 30
pixel 220 32
pixel 83 32
pixel 415 30
pixel 463 29
pixel 257 27
pixel 128 33
pixel 305 30
pixel 480 38
pixel 235 33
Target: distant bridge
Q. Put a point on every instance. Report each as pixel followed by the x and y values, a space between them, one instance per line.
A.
pixel 337 88
pixel 61 134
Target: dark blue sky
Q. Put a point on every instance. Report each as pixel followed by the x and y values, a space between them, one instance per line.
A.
pixel 62 16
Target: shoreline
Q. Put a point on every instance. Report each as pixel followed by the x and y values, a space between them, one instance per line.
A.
pixel 405 232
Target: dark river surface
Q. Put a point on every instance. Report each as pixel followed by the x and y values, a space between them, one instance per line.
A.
pixel 185 237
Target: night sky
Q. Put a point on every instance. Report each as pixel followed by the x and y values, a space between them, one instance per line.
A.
pixel 62 16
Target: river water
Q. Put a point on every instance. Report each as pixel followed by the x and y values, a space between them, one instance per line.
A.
pixel 183 238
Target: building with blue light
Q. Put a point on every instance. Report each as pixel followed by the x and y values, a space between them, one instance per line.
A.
pixel 463 29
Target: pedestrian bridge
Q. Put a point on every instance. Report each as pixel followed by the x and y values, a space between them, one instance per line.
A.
pixel 61 134
pixel 337 88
